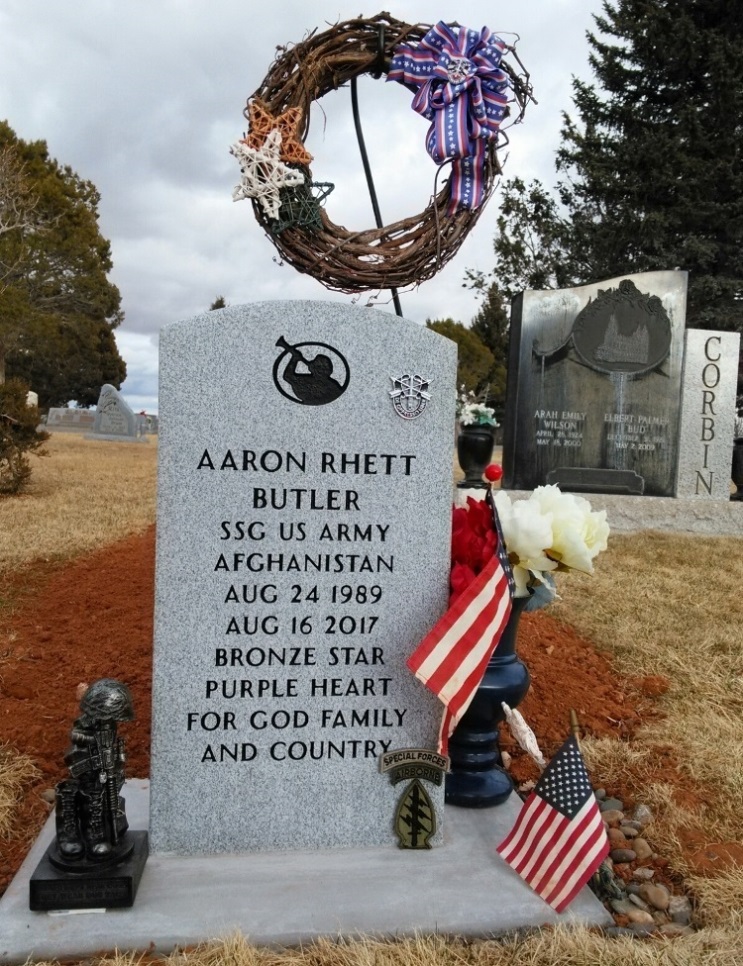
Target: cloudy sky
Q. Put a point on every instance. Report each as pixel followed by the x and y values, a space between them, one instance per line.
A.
pixel 144 98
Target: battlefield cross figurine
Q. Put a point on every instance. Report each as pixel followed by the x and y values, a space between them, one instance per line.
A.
pixel 94 861
pixel 90 812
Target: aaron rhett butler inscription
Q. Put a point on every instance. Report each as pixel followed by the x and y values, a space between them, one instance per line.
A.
pixel 302 553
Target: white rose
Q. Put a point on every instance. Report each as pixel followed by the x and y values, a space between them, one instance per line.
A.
pixel 578 533
pixel 527 533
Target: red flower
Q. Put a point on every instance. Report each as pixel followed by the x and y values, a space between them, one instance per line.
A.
pixel 473 543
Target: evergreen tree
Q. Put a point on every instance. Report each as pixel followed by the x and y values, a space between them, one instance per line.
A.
pixel 653 168
pixel 19 436
pixel 474 360
pixel 532 243
pixel 58 309
pixel 491 325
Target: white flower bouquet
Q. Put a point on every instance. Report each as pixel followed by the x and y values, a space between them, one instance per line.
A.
pixel 551 531
pixel 470 412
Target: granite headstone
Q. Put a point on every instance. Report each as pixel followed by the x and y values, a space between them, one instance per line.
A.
pixel 708 413
pixel 594 386
pixel 114 417
pixel 303 540
pixel 62 419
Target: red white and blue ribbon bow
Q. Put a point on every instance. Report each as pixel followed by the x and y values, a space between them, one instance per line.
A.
pixel 461 89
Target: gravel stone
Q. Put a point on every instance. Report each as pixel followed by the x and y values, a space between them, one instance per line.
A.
pixel 641 848
pixel 610 804
pixel 638 901
pixel 673 929
pixel 640 916
pixel 648 906
pixel 632 824
pixel 617 838
pixel 612 816
pixel 656 895
pixel 622 906
pixel 643 815
pixel 679 909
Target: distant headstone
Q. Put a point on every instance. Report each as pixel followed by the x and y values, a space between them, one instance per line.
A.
pixel 32 399
pixel 304 515
pixel 708 413
pixel 594 386
pixel 61 419
pixel 114 418
pixel 146 424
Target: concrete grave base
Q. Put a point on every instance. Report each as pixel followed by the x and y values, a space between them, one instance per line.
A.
pixel 683 515
pixel 461 888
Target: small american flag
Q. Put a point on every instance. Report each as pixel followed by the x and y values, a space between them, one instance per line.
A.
pixel 451 659
pixel 559 839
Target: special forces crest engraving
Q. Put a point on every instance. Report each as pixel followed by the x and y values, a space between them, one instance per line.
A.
pixel 310 373
pixel 415 815
pixel 409 394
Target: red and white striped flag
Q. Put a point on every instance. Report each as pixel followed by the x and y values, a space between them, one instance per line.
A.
pixel 451 659
pixel 559 839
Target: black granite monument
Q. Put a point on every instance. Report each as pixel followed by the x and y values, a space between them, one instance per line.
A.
pixel 594 386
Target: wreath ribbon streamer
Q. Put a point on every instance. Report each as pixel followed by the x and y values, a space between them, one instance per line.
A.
pixel 461 88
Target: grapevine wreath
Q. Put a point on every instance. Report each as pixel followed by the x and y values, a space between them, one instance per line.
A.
pixel 461 84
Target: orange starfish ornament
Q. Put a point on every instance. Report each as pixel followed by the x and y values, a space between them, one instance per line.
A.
pixel 262 122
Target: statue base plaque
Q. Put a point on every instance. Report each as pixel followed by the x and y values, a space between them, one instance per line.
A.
pixel 94 886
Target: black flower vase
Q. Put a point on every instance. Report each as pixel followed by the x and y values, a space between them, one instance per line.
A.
pixel 475 451
pixel 737 470
pixel 477 778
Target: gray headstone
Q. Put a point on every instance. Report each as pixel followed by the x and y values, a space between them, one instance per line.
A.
pixel 114 417
pixel 594 384
pixel 303 546
pixel 708 414
pixel 70 420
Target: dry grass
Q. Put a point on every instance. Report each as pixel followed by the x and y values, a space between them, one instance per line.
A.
pixel 549 947
pixel 16 771
pixel 660 604
pixel 84 494
pixel 671 605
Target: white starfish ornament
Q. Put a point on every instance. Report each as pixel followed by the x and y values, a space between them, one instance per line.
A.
pixel 263 174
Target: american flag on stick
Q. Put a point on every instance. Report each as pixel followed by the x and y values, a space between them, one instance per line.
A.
pixel 559 839
pixel 451 659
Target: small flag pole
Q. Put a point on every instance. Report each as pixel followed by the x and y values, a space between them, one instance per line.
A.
pixel 575 726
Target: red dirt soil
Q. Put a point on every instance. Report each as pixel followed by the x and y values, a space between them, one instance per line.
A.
pixel 93 617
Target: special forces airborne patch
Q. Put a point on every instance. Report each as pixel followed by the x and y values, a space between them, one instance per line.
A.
pixel 415 815
pixel 415 818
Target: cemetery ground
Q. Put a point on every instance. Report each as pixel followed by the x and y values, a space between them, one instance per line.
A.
pixel 647 651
